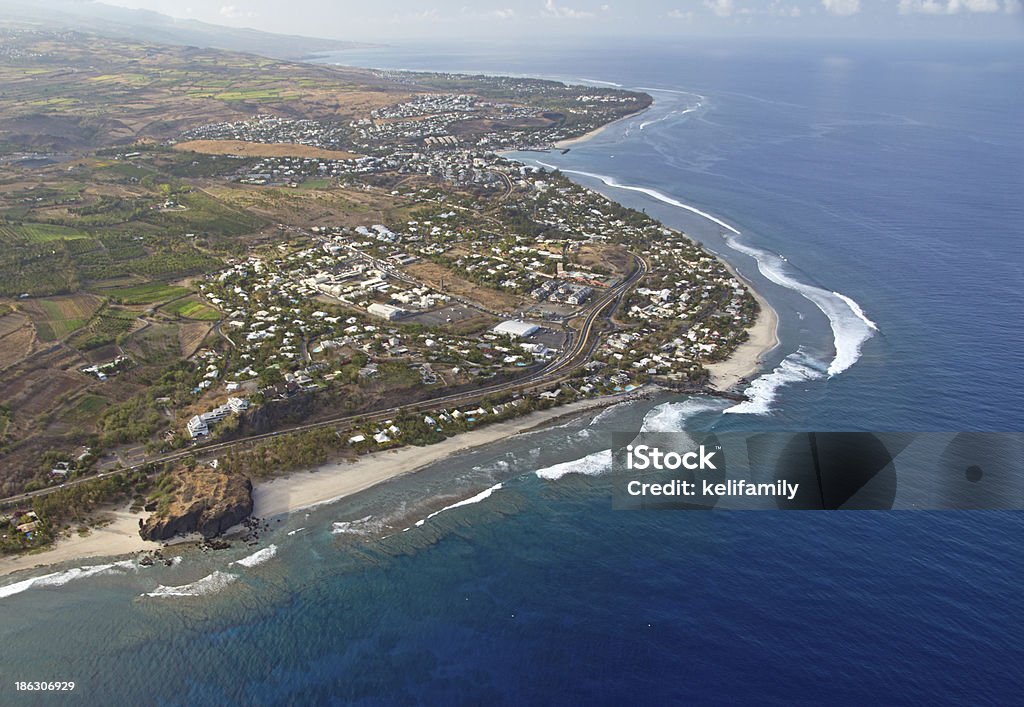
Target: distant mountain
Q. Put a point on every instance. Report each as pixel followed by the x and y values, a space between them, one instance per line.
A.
pixel 149 26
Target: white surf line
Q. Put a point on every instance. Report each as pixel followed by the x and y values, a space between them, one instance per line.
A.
pixel 653 193
pixel 467 502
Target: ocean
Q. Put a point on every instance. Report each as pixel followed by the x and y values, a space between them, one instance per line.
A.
pixel 871 192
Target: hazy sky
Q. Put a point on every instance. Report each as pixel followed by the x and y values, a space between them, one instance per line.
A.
pixel 397 19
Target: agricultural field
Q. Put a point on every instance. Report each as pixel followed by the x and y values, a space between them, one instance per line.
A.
pixel 58 317
pixel 192 308
pixel 39 233
pixel 104 328
pixel 87 408
pixel 260 149
pixel 157 344
pixel 145 293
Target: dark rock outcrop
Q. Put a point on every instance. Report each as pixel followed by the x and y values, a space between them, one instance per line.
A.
pixel 202 500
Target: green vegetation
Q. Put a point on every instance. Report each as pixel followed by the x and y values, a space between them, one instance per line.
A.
pixel 39 232
pixel 104 328
pixel 147 293
pixel 192 308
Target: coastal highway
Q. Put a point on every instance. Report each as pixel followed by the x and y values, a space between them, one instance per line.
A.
pixel 577 352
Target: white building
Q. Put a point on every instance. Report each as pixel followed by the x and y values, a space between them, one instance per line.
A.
pixel 385 311
pixel 516 328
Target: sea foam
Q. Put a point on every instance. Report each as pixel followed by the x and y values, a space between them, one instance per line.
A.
pixel 258 557
pixel 486 493
pixel 762 390
pixel 59 579
pixel 352 527
pixel 850 326
pixel 653 193
pixel 210 584
pixel 590 465
pixel 672 417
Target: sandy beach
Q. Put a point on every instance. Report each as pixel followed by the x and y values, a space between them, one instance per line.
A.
pixel 119 537
pixel 747 358
pixel 569 142
pixel 334 481
pixel 303 489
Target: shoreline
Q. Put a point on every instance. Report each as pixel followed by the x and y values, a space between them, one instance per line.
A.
pixel 304 489
pixel 572 141
pixel 762 339
pixel 334 481
pixel 118 538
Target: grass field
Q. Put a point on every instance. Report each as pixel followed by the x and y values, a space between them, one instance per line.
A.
pixel 146 293
pixel 57 317
pixel 88 407
pixel 192 308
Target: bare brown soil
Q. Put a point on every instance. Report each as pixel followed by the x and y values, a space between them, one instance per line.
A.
pixel 261 149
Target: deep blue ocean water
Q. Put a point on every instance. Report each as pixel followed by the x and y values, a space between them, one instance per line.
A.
pixel 891 175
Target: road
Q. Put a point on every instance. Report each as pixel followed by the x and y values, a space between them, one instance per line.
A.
pixel 575 354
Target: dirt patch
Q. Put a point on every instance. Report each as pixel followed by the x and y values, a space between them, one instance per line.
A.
pixel 433 275
pixel 191 336
pixel 261 149
pixel 16 343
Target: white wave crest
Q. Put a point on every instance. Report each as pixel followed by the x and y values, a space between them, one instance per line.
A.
pixel 653 193
pixel 486 493
pixel 850 326
pixel 852 304
pixel 296 531
pixel 672 417
pixel 670 114
pixel 590 465
pixel 258 557
pixel 607 412
pixel 59 579
pixel 352 527
pixel 210 584
pixel 762 390
pixel 599 82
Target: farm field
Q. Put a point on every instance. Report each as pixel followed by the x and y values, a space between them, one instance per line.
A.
pixel 57 317
pixel 261 149
pixel 39 233
pixel 146 293
pixel 192 308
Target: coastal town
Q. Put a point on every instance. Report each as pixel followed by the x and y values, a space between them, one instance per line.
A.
pixel 391 278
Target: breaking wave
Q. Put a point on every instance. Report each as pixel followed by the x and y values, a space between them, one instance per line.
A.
pixel 653 193
pixel 850 326
pixel 672 114
pixel 352 527
pixel 486 493
pixel 590 465
pixel 59 579
pixel 762 390
pixel 258 557
pixel 671 417
pixel 210 584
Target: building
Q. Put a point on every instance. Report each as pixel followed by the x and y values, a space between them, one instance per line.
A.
pixel 385 311
pixel 197 427
pixel 516 329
